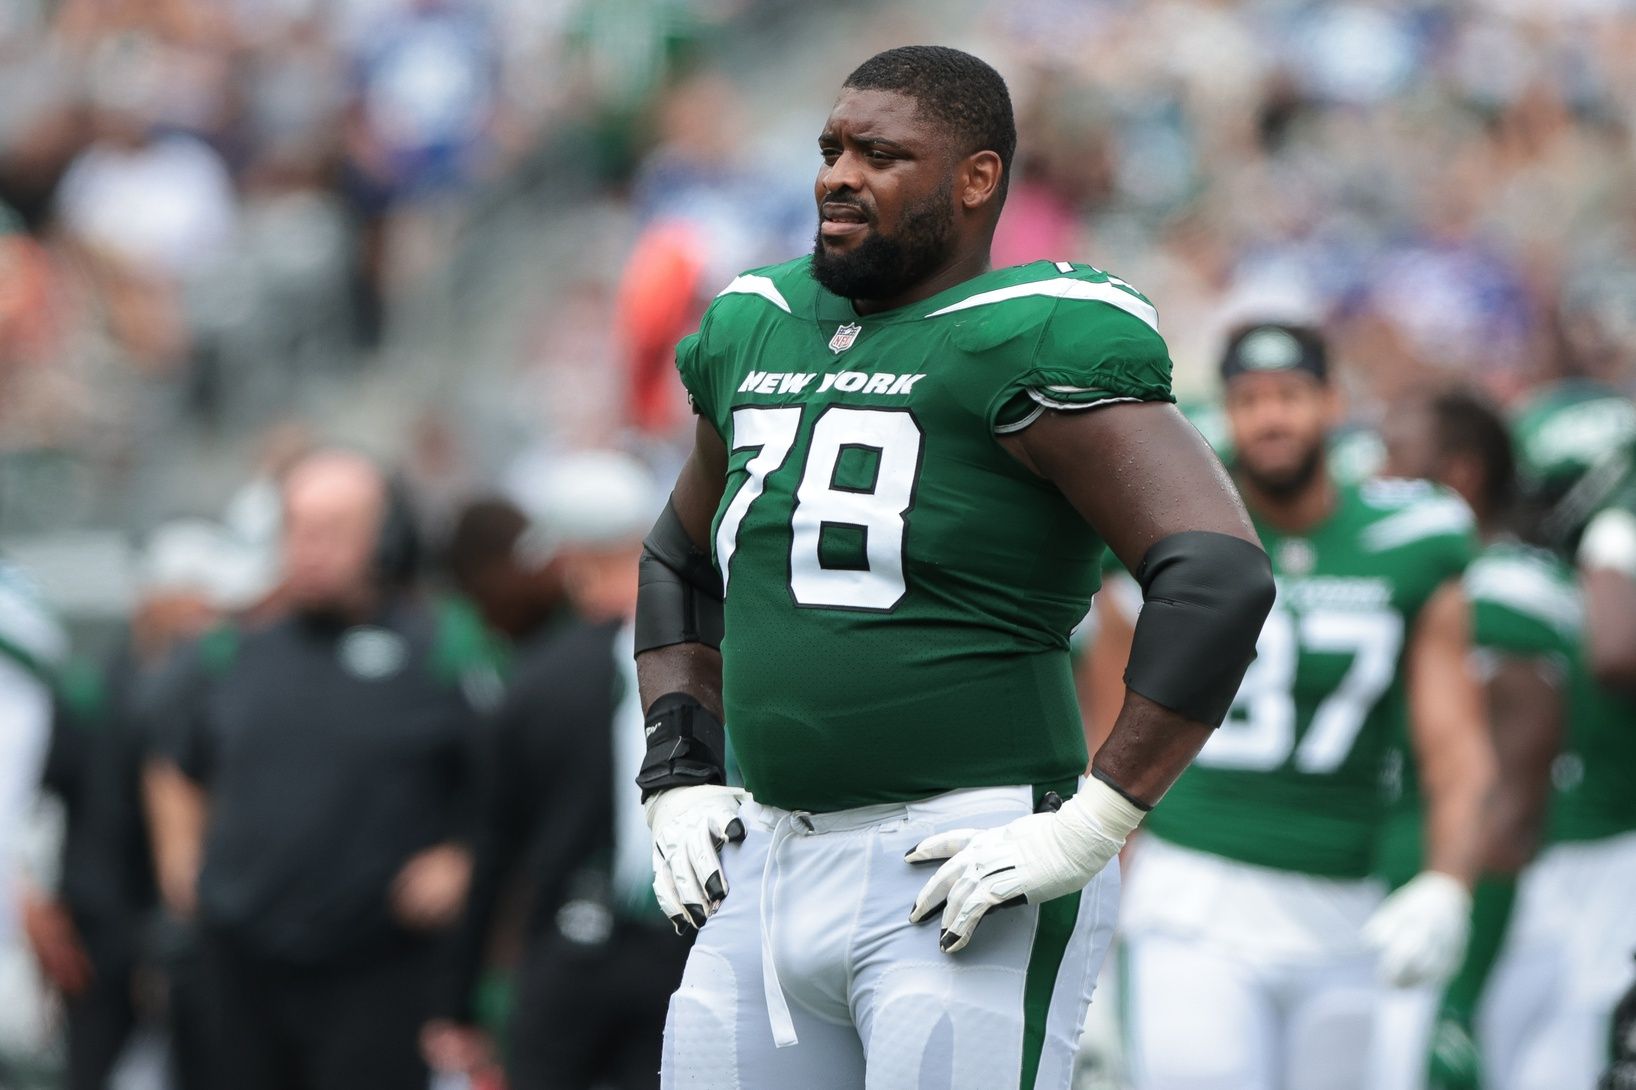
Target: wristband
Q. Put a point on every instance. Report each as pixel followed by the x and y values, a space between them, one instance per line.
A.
pixel 687 746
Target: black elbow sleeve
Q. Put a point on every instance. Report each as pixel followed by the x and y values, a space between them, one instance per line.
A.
pixel 679 597
pixel 1204 598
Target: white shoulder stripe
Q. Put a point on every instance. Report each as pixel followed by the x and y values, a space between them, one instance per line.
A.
pixel 1423 520
pixel 26 625
pixel 750 284
pixel 1061 288
pixel 1527 589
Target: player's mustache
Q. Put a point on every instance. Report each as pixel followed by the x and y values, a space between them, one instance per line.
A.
pixel 831 203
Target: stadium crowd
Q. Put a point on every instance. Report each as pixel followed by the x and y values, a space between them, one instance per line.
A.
pixel 227 227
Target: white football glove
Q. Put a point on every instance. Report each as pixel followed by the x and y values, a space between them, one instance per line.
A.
pixel 1033 859
pixel 690 825
pixel 1420 931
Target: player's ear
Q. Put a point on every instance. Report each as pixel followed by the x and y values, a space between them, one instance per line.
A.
pixel 980 179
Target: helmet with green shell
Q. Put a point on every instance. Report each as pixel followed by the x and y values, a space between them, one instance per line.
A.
pixel 1576 449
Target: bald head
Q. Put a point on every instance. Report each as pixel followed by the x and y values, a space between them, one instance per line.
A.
pixel 334 504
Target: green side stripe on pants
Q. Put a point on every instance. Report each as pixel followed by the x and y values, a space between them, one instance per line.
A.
pixel 1056 927
pixel 1051 935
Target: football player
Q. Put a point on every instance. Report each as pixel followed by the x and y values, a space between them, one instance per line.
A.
pixel 1255 934
pixel 1546 1019
pixel 905 467
pixel 1526 619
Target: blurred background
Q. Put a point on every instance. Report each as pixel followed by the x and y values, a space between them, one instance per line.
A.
pixel 464 236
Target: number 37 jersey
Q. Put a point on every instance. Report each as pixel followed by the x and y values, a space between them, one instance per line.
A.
pixel 1293 778
pixel 900 590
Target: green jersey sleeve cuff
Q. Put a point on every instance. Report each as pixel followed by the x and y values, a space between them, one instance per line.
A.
pixel 1091 354
pixel 690 365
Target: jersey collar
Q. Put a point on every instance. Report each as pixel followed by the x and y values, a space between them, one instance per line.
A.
pixel 829 307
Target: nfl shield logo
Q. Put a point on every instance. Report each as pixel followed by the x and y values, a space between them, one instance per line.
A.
pixel 844 337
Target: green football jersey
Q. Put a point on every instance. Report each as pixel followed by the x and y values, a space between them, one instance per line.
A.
pixel 1595 777
pixel 1292 779
pixel 29 632
pixel 1524 604
pixel 900 590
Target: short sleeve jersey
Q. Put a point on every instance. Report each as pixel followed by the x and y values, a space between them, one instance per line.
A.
pixel 1292 779
pixel 1524 605
pixel 899 589
pixel 1595 777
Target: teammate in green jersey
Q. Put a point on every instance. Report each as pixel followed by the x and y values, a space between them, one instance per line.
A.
pixel 1526 617
pixel 1254 932
pixel 1567 960
pixel 905 467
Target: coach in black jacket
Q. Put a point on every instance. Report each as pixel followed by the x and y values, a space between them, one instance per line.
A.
pixel 599 960
pixel 336 751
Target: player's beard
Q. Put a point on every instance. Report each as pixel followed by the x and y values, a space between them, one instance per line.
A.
pixel 1284 484
pixel 885 266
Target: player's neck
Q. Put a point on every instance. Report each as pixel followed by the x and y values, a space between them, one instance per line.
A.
pixel 1297 512
pixel 959 269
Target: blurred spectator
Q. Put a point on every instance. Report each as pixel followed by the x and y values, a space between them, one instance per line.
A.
pixel 334 752
pixel 426 76
pixel 94 935
pixel 708 211
pixel 599 960
pixel 151 212
pixel 518 592
pixel 37 402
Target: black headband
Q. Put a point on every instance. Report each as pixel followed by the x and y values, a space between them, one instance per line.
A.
pixel 1271 346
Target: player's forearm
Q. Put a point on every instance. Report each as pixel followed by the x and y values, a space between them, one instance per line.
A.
pixel 1453 749
pixel 1525 709
pixel 1458 787
pixel 690 668
pixel 1205 596
pixel 178 811
pixel 1149 748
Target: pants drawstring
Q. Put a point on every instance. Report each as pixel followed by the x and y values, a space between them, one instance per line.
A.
pixel 778 1008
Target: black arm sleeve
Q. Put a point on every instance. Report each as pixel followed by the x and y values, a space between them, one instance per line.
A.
pixel 680 595
pixel 1204 598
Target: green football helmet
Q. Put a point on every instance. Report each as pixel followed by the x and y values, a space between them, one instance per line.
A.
pixel 1575 444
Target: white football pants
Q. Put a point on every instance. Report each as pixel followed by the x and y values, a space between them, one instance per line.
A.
pixel 1545 1018
pixel 1244 978
pixel 1404 1023
pixel 810 976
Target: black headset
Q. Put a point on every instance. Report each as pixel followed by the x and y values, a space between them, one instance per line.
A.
pixel 398 546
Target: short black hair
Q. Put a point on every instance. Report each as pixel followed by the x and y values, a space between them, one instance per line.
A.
pixel 1468 424
pixel 1275 346
pixel 958 90
pixel 485 532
